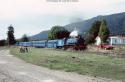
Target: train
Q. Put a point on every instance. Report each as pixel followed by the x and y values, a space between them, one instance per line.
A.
pixel 65 43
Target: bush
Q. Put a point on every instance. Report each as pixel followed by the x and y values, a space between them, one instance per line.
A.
pixel 2 42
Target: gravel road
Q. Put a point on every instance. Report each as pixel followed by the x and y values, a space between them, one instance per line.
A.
pixel 13 69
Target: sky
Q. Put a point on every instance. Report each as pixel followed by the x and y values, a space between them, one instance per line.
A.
pixel 33 16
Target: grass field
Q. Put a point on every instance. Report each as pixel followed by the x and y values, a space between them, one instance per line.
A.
pixel 79 62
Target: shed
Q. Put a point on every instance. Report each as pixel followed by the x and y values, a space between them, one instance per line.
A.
pixel 117 40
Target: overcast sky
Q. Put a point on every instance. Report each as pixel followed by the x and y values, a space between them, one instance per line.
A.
pixel 33 16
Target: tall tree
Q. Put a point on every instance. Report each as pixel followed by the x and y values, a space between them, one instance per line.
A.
pixel 58 32
pixel 95 29
pixel 25 38
pixel 104 31
pixel 93 32
pixel 10 35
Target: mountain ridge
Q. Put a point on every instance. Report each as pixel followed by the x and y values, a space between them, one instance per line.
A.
pixel 115 22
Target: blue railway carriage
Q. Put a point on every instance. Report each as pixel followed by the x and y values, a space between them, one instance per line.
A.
pixel 60 43
pixel 39 44
pixel 26 44
pixel 52 44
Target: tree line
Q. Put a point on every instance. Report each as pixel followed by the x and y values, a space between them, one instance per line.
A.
pixel 11 38
pixel 98 28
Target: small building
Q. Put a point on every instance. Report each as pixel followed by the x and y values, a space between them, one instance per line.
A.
pixel 117 40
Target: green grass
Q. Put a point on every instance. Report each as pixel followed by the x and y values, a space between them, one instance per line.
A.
pixel 83 63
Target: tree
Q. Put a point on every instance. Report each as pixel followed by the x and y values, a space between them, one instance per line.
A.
pixel 2 42
pixel 104 31
pixel 25 38
pixel 93 32
pixel 58 32
pixel 95 29
pixel 10 35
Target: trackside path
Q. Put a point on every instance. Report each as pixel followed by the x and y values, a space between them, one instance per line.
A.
pixel 13 69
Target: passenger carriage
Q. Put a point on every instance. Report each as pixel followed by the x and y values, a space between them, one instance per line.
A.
pixel 52 44
pixel 26 44
pixel 39 44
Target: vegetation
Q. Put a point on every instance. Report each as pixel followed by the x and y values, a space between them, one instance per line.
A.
pixel 104 31
pixel 95 28
pixel 10 36
pixel 79 62
pixel 58 32
pixel 25 38
pixel 2 42
pixel 93 32
pixel 99 28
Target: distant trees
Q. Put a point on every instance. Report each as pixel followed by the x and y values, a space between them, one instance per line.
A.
pixel 25 38
pixel 104 31
pixel 58 32
pixel 93 32
pixel 10 35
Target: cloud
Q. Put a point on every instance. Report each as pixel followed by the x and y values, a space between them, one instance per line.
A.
pixel 40 14
pixel 13 9
pixel 10 9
